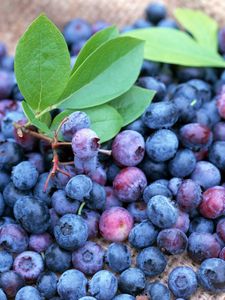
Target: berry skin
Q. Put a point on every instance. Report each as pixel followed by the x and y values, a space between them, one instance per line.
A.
pixel 11 194
pixel 32 214
pixel 160 115
pixel 161 212
pixel 7 122
pixel 2 295
pixel 60 179
pixel 2 205
pixel 152 83
pixel 6 84
pixel 115 224
pixel 11 282
pixel 97 199
pixel 203 88
pixel 222 254
pixel 28 292
pixel 211 275
pixel 138 210
pixel 220 103
pixel 154 189
pixel 216 154
pixel 4 180
pixel 189 195
pixel 118 257
pixel 10 155
pixel 39 189
pixel 13 238
pixel 79 187
pixel 6 261
pixel 103 285
pixel 77 120
pixel 195 136
pixel 91 218
pixel 129 184
pixel 87 298
pixel 132 281
pixel 29 265
pixel 183 164
pixel 174 185
pixel 213 202
pixel 99 175
pixel 143 235
pixel 89 258
pixel 172 241
pixel 111 199
pixel 220 229
pixel 37 160
pixel 219 131
pixel 40 242
pixel 182 282
pixel 77 30
pixel 85 143
pixel 128 148
pixel 47 284
pixel 155 12
pixel 151 261
pixel 183 221
pixel 138 126
pixel 162 145
pixel 24 176
pixel 156 291
pixel 71 232
pixel 202 246
pixel 206 174
pixel 201 225
pixel 57 259
pixel 154 170
pixel 124 297
pixel 63 204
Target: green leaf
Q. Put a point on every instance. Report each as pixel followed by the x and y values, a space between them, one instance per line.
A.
pixel 34 121
pixel 94 43
pixel 201 26
pixel 133 103
pixel 42 64
pixel 46 118
pixel 107 73
pixel 105 120
pixel 175 47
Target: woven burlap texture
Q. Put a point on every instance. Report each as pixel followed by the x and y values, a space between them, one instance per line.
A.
pixel 15 15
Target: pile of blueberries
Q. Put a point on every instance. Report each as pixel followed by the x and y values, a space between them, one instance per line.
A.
pixel 160 193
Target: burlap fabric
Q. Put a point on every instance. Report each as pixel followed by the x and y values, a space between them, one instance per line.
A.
pixel 15 15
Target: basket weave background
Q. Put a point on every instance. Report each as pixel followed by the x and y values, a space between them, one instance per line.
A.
pixel 15 15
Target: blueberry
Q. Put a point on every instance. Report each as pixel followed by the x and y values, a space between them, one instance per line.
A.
pixel 203 88
pixel 97 26
pixel 151 261
pixel 174 185
pixel 161 212
pixel 172 241
pixel 3 50
pixel 158 291
pixel 77 120
pixel 13 238
pixel 152 83
pixel 118 257
pixel 124 297
pixel 183 221
pixel 28 292
pixel 29 265
pixel 2 205
pixel 103 285
pixel 79 187
pixel 154 170
pixel 220 229
pixel 40 242
pixel 24 176
pixel 11 282
pixel 111 199
pixel 203 245
pixel 2 295
pixel 89 258
pixel 77 30
pixel 112 171
pixel 6 261
pixel 206 174
pixel 143 235
pixel 189 195
pixel 168 23
pixel 132 281
pixel 6 84
pixel 4 180
pixel 154 189
pixel 182 282
pixel 7 123
pixel 200 224
pixel 161 115
pixel 91 218
pixel 32 214
pixel 61 179
pixel 155 12
pixel 87 298
pixel 138 210
pixel 216 154
pixel 47 284
pixel 211 275
pixel 10 155
pixel 42 193
pixel 57 259
pixel 63 204
pixel 128 148
pixel 142 23
pixel 71 232
pixel 138 126
pixel 97 198
pixel 183 163
pixel 150 68
pixel 99 175
pixel 211 111
pixel 11 194
pixel 219 131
